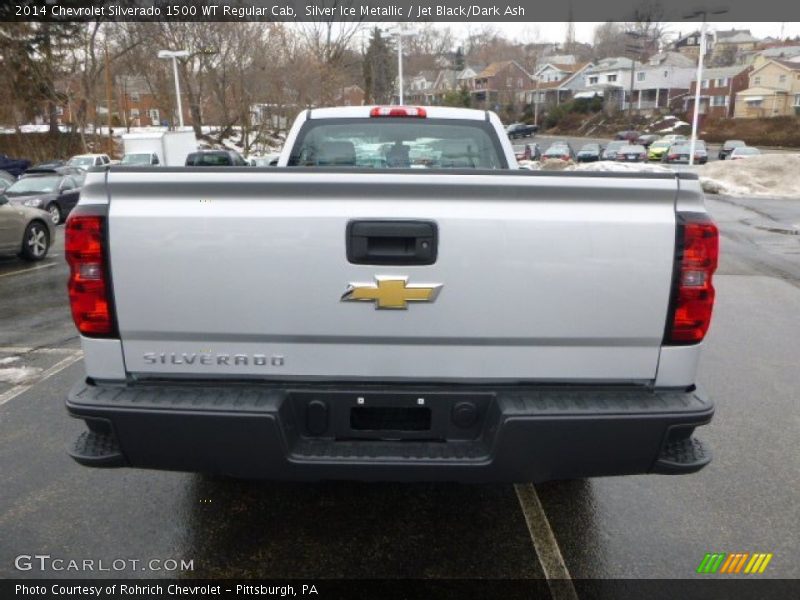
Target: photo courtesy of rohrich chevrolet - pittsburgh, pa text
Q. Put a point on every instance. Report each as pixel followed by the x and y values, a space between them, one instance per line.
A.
pixel 399 299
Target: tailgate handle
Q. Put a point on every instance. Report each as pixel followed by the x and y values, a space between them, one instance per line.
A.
pixel 392 242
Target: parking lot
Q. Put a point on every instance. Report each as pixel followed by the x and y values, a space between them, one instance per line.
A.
pixel 633 527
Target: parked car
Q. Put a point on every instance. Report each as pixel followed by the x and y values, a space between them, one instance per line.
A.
pixel 50 164
pixel 589 153
pixel 728 147
pixel 215 158
pixel 55 191
pixel 657 149
pixel 674 138
pixel 647 139
pixel 679 153
pixel 744 152
pixel 13 166
pixel 6 179
pixel 24 231
pixel 560 150
pixel 632 153
pixel 87 161
pixel 140 159
pixel 527 151
pixel 610 152
pixel 521 130
pixel 268 160
pixel 628 136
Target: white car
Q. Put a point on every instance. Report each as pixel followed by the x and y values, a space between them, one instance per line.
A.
pixel 744 152
pixel 86 161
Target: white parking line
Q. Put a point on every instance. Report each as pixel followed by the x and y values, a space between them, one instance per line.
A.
pixel 27 349
pixel 20 272
pixel 15 391
pixel 544 542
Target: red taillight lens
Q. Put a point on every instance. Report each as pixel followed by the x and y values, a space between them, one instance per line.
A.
pixel 693 299
pixel 88 279
pixel 398 111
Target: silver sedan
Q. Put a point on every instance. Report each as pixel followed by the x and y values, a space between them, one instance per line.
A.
pixel 24 231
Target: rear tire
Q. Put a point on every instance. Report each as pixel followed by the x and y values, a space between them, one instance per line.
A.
pixel 35 242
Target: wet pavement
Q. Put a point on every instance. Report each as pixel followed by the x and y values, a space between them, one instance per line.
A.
pixel 643 526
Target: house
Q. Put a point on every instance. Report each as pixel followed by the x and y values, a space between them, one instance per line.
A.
pixel 554 84
pixel 774 90
pixel 138 104
pixel 689 44
pixel 500 83
pixel 718 90
pixel 759 57
pixel 466 78
pixel 660 85
pixel 419 89
pixel 609 78
pixel 351 95
pixel 728 44
pixel 446 81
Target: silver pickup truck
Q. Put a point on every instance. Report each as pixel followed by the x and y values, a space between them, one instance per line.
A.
pixel 395 301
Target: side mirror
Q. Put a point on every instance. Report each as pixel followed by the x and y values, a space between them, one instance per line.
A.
pixel 155 160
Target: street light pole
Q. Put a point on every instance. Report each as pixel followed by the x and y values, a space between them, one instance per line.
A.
pixel 699 77
pixel 174 55
pixel 400 64
pixel 400 33
pixel 697 85
pixel 177 90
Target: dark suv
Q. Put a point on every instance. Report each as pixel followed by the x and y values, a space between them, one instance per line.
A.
pixel 216 158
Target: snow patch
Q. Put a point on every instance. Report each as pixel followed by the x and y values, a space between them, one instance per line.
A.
pixel 772 175
pixel 17 375
pixel 8 360
pixel 619 167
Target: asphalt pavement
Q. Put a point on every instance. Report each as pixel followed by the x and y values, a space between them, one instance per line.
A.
pixel 642 526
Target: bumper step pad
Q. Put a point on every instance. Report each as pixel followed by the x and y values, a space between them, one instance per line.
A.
pixel 97 450
pixel 682 456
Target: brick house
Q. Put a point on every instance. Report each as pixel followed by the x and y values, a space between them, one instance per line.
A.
pixel 500 84
pixel 718 90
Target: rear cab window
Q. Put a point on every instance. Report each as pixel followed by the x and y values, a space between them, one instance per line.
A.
pixel 398 143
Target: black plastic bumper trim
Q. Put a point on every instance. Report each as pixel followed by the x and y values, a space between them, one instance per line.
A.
pixel 519 433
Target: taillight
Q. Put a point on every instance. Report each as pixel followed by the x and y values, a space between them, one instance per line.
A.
pixel 89 288
pixel 398 111
pixel 693 292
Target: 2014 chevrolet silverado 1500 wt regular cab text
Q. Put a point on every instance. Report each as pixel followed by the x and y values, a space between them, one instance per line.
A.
pixel 395 301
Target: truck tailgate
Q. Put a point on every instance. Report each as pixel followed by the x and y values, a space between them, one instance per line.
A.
pixel 241 273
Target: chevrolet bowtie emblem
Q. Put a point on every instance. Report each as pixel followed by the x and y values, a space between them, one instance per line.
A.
pixel 391 292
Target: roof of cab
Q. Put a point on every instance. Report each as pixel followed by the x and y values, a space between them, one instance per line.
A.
pixel 362 112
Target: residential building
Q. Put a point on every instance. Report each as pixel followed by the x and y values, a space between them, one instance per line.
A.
pixel 500 84
pixel 728 44
pixel 774 90
pixel 718 90
pixel 547 90
pixel 446 81
pixel 609 78
pixel 351 95
pixel 689 44
pixel 420 88
pixel 756 58
pixel 466 78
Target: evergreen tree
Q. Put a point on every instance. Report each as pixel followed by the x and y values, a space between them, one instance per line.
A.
pixel 378 70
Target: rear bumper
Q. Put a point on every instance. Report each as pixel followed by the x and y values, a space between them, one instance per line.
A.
pixel 473 434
